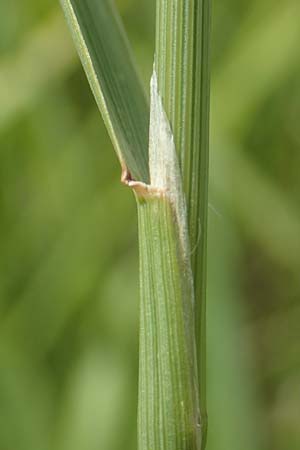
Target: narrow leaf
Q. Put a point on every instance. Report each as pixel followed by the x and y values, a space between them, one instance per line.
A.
pixel 105 54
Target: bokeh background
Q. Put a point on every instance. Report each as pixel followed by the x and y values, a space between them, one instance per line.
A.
pixel 68 236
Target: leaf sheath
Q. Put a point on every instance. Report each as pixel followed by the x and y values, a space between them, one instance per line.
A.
pixel 168 416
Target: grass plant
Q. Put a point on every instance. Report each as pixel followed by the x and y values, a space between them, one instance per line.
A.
pixel 168 173
pixel 69 252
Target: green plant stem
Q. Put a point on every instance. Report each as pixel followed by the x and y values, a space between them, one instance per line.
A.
pixel 168 400
pixel 168 416
pixel 182 64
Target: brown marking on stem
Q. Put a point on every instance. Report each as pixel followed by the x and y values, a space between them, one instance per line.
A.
pixel 140 188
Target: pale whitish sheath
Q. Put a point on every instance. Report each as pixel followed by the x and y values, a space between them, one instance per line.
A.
pixel 165 176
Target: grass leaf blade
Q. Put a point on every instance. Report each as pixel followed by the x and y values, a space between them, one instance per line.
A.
pixel 105 54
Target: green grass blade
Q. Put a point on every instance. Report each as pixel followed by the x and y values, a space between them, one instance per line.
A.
pixel 105 54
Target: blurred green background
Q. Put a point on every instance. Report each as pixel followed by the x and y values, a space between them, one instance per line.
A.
pixel 68 237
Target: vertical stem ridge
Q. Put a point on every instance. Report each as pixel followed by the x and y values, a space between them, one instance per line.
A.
pixel 199 185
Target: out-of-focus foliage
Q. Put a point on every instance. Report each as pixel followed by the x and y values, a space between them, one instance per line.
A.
pixel 68 259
